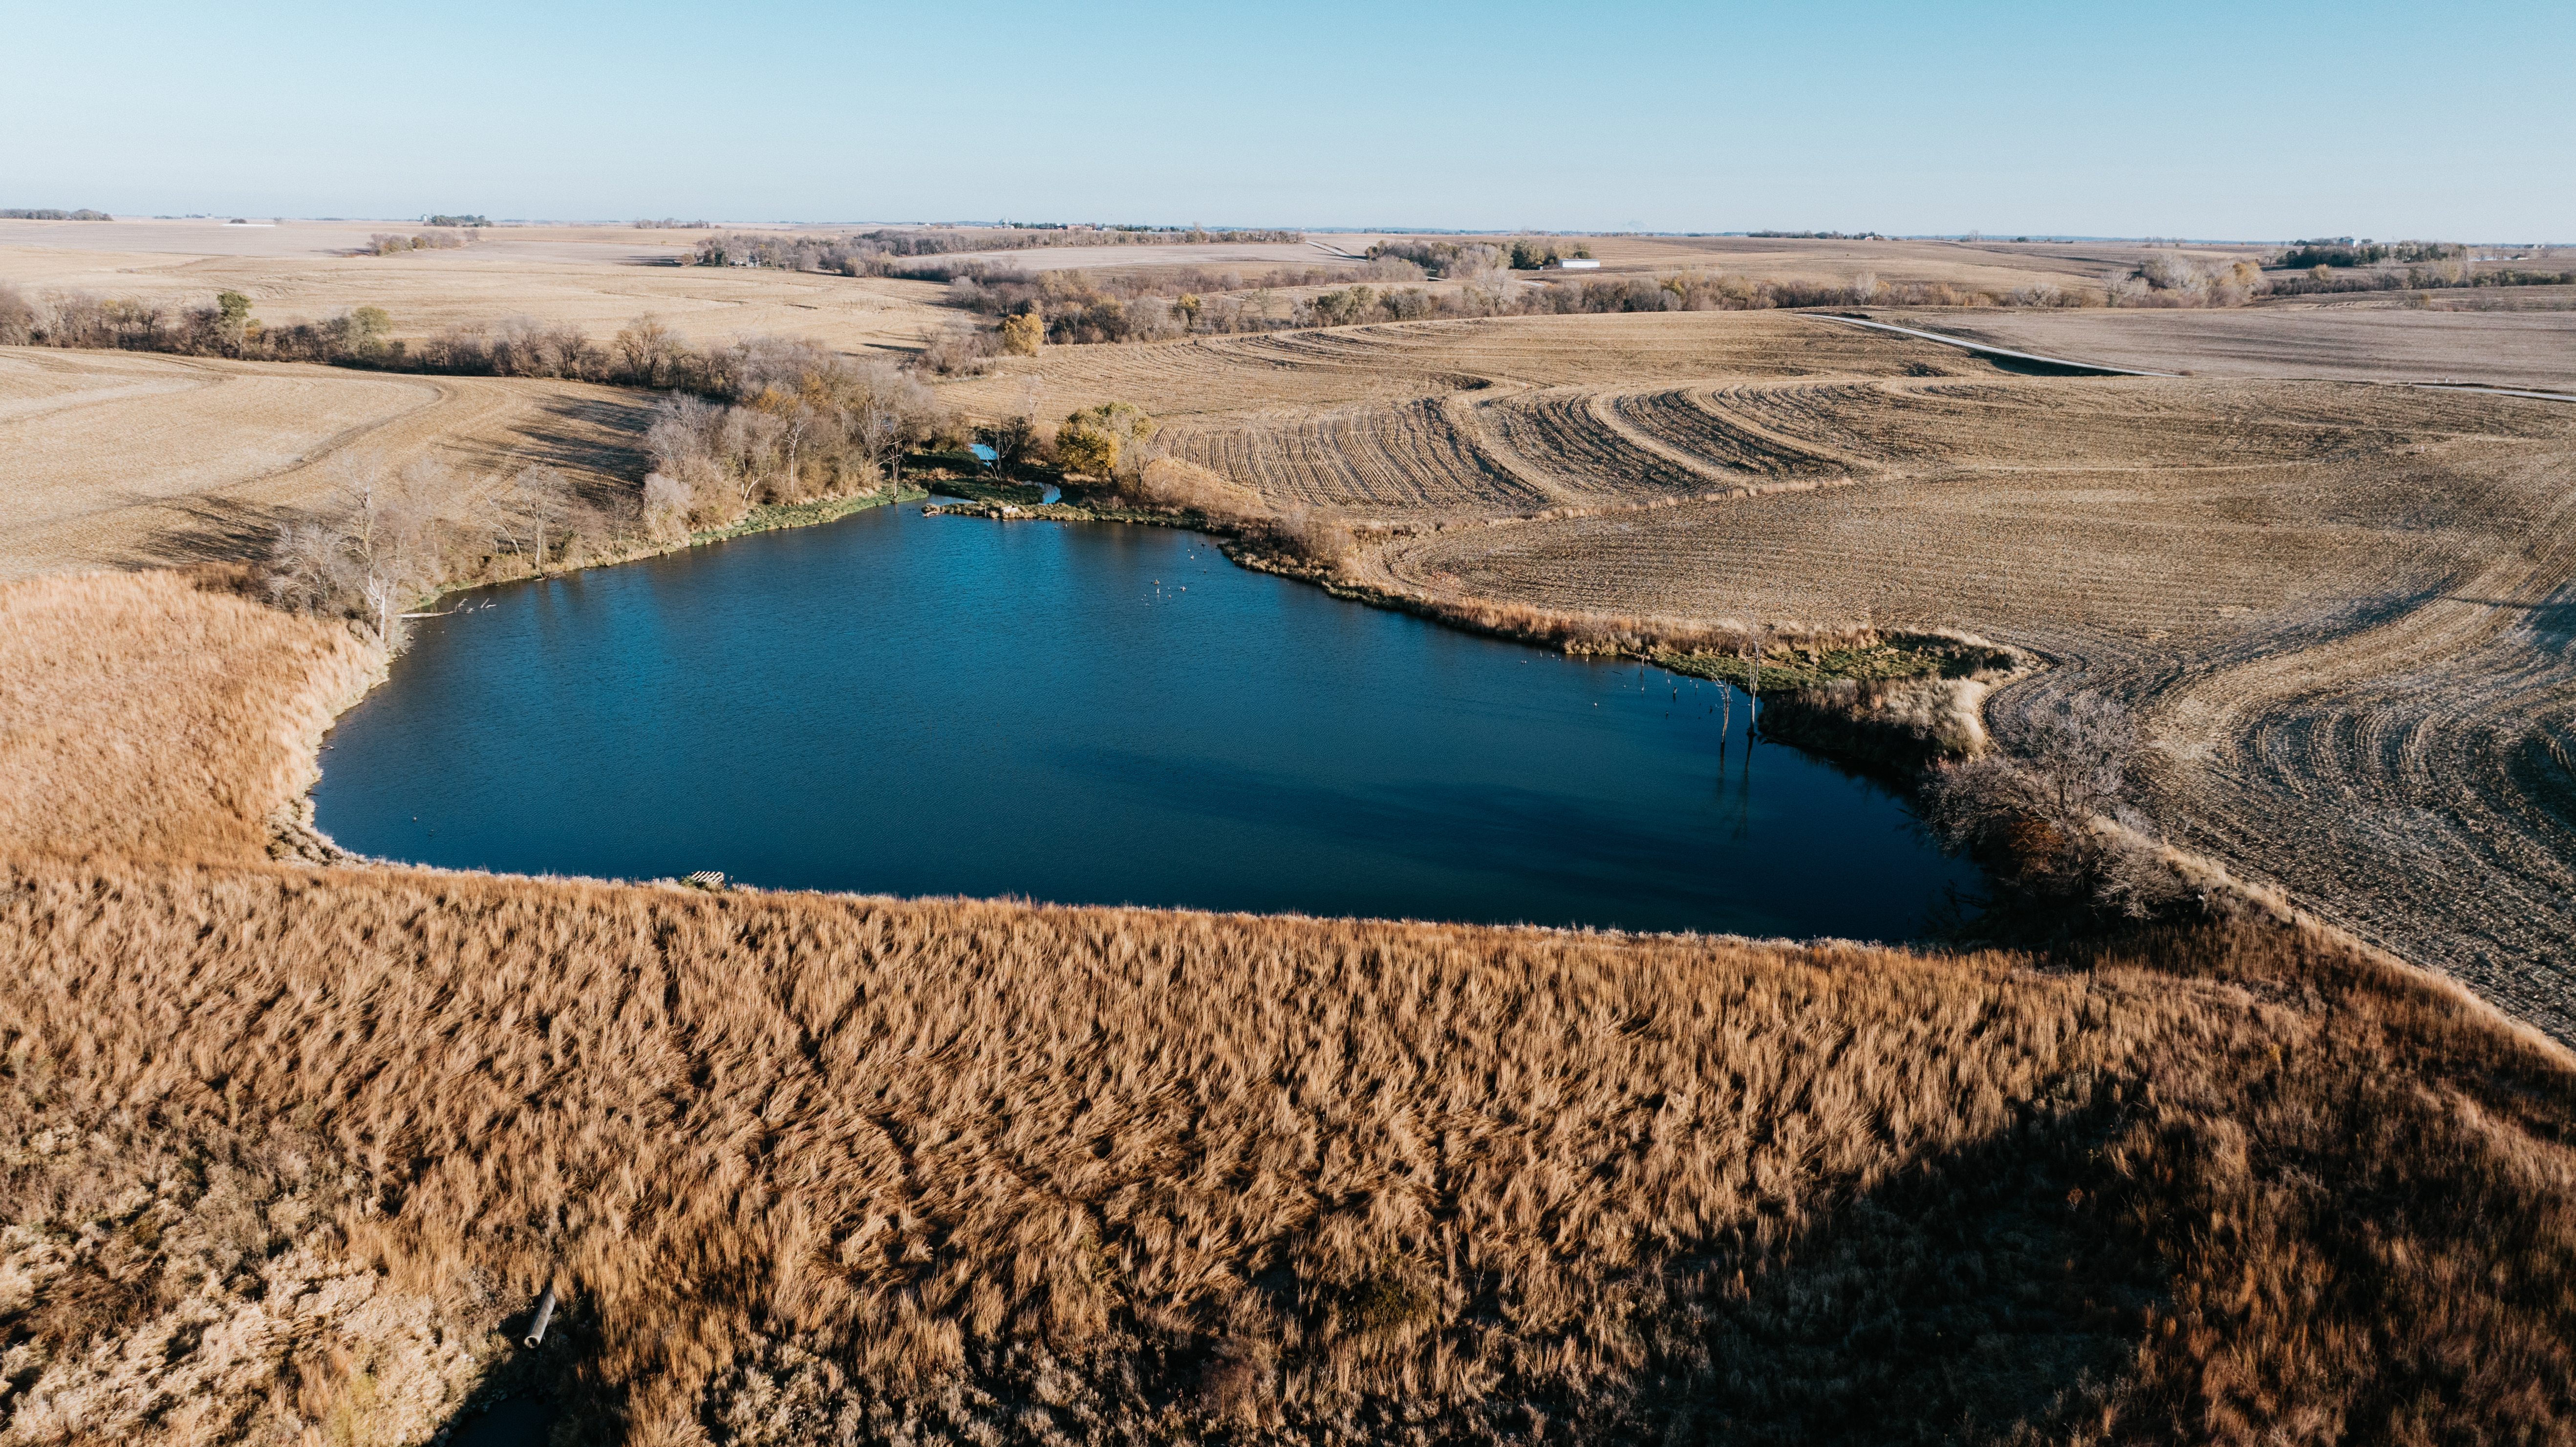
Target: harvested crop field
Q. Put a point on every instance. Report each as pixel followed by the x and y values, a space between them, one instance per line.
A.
pixel 2370 341
pixel 597 278
pixel 2348 644
pixel 2339 610
pixel 1465 419
pixel 122 459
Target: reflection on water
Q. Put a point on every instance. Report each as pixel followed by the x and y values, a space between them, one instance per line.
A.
pixel 915 705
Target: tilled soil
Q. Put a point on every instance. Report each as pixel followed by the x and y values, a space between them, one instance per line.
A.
pixel 2362 338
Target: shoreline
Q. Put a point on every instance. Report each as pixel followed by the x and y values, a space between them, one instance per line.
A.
pixel 1899 704
pixel 763 518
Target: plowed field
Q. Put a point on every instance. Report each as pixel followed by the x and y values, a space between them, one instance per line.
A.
pixel 2345 613
pixel 2366 340
pixel 1468 420
pixel 125 460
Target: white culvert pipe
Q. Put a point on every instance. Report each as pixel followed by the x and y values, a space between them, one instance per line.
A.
pixel 545 1314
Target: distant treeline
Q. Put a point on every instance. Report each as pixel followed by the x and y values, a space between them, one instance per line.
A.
pixel 2305 254
pixel 1675 292
pixel 2415 278
pixel 224 329
pixel 1126 306
pixel 871 253
pixel 48 213
pixel 445 220
pixel 1818 235
pixel 1072 307
pixel 673 223
pixel 1138 231
pixel 643 353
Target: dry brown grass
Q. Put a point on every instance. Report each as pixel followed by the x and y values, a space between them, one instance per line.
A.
pixel 146 717
pixel 1307 1173
pixel 817 1167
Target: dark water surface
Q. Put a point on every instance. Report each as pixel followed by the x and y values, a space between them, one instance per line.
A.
pixel 1101 714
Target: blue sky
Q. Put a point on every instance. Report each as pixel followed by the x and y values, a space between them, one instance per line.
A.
pixel 2255 121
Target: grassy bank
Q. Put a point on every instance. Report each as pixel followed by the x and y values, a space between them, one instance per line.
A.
pixel 1777 658
pixel 769 517
pixel 293 1148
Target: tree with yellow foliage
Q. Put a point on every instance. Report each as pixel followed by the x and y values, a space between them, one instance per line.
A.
pixel 1022 334
pixel 1091 440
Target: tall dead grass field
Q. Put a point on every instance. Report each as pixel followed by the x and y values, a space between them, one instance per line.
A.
pixel 825 1168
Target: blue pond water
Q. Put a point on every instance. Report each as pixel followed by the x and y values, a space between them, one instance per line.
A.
pixel 904 704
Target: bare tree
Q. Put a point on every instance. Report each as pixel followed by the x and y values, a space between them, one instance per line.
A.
pixel 876 430
pixel 648 347
pixel 307 571
pixel 539 504
pixel 384 529
pixel 666 505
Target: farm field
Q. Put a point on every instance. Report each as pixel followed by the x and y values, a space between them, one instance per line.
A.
pixel 597 277
pixel 124 459
pixel 1403 419
pixel 2335 608
pixel 2376 340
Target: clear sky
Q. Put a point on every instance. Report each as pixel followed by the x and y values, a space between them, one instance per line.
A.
pixel 2177 118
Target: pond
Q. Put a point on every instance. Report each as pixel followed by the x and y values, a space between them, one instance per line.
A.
pixel 902 704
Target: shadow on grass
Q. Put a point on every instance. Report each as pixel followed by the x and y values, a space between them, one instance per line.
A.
pixel 1971 1291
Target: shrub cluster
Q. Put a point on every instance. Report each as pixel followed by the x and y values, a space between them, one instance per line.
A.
pixel 2180 281
pixel 1464 260
pixel 791 421
pixel 383 539
pixel 437 238
pixel 1090 442
pixel 2050 816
